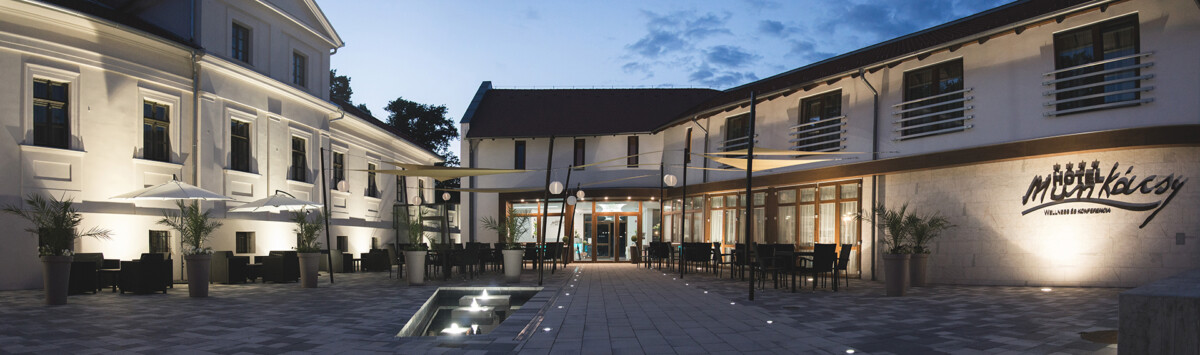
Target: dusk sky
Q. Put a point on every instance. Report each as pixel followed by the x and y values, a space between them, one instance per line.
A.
pixel 438 52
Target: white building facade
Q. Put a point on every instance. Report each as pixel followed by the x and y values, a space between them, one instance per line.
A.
pixel 232 96
pixel 1058 137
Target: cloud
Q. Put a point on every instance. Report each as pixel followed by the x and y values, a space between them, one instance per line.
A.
pixel 729 56
pixel 638 68
pixel 657 43
pixel 770 27
pixel 763 4
pixel 707 75
pixel 532 14
pixel 807 51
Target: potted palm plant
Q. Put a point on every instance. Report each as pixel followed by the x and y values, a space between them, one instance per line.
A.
pixel 55 223
pixel 895 224
pixel 194 228
pixel 509 228
pixel 416 251
pixel 922 231
pixel 308 251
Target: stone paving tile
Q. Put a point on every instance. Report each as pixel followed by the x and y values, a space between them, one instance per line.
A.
pixel 611 308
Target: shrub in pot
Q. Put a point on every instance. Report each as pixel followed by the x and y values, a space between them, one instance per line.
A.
pixel 922 230
pixel 55 223
pixel 308 251
pixel 897 252
pixel 415 252
pixel 194 229
pixel 509 228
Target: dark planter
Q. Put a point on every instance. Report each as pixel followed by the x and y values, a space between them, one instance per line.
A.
pixel 198 268
pixel 309 263
pixel 918 267
pixel 56 276
pixel 895 267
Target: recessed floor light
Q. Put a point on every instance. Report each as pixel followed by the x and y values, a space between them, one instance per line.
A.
pixel 546 329
pixel 559 307
pixel 1046 289
pixel 770 322
pixel 705 291
pixel 732 302
pixel 849 351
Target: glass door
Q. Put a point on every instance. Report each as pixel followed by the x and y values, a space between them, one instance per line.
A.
pixel 603 245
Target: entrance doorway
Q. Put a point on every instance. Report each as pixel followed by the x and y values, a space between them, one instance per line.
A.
pixel 609 237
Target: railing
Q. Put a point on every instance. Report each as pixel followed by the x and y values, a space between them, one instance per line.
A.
pixel 1096 79
pixel 734 144
pixel 909 127
pixel 838 135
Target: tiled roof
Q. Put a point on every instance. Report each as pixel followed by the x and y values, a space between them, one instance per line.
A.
pixel 579 112
pixel 874 55
pixel 114 15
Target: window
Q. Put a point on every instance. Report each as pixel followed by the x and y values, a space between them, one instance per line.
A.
pixel 372 187
pixel 1104 67
pixel 241 43
pixel 579 151
pixel 239 145
pixel 421 190
pixel 299 69
pixel 519 155
pixel 736 130
pixel 343 244
pixel 299 159
pixel 51 126
pixel 400 189
pixel 156 124
pixel 933 99
pixel 244 243
pixel 821 122
pixel 160 242
pixel 632 151
pixel 374 243
pixel 339 168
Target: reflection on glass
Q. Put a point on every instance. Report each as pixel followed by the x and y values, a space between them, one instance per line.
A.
pixel 849 223
pixel 787 224
pixel 828 222
pixel 808 220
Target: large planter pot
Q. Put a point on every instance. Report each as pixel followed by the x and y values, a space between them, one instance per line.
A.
pixel 918 267
pixel 512 265
pixel 198 268
pixel 309 263
pixel 414 265
pixel 895 267
pixel 56 276
pixel 635 255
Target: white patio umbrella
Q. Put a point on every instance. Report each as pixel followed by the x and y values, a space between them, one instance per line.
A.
pixel 171 190
pixel 279 202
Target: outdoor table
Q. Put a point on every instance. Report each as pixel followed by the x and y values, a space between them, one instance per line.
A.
pixel 252 271
pixel 112 275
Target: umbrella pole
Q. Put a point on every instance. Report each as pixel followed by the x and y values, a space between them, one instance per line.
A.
pixel 325 201
pixel 748 206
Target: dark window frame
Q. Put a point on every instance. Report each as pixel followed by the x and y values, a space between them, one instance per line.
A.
pixel 51 114
pixel 580 152
pixel 160 241
pixel 299 69
pixel 244 243
pixel 1097 50
pixel 156 131
pixel 239 145
pixel 631 150
pixel 929 81
pixel 827 105
pixel 519 152
pixel 742 131
pixel 299 167
pixel 339 168
pixel 343 243
pixel 242 39
pixel 372 185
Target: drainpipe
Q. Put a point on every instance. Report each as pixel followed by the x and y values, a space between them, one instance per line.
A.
pixel 874 156
pixel 704 172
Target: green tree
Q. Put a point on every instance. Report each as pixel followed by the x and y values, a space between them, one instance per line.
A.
pixel 340 90
pixel 428 126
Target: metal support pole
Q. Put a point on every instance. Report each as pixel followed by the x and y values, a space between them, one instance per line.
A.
pixel 545 212
pixel 325 197
pixel 558 235
pixel 687 158
pixel 749 195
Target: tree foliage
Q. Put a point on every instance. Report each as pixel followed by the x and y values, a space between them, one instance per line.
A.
pixel 339 87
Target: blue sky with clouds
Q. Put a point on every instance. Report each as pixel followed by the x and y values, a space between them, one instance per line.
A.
pixel 438 52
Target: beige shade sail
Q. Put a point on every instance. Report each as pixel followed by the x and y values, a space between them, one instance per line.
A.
pixel 441 172
pixel 496 190
pixel 763 164
pixel 769 151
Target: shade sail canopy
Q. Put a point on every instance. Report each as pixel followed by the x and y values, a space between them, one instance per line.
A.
pixel 172 190
pixel 769 151
pixel 764 164
pixel 496 190
pixel 276 203
pixel 441 172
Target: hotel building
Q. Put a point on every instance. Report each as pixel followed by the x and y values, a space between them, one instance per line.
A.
pixel 106 97
pixel 1058 137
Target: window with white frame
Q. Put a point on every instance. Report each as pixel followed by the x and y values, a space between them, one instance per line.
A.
pixel 299 69
pixel 372 185
pixel 51 114
pixel 934 101
pixel 156 131
pixel 821 126
pixel 1098 67
pixel 239 145
pixel 240 43
pixel 299 168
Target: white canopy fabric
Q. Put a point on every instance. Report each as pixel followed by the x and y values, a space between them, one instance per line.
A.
pixel 276 203
pixel 769 151
pixel 497 190
pixel 172 190
pixel 440 172
pixel 764 164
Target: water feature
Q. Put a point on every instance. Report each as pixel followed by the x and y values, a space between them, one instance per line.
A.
pixel 456 311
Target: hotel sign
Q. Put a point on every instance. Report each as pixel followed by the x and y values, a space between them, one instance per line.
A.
pixel 1083 185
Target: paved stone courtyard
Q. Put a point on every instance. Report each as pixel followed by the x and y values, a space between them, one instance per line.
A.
pixel 588 308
